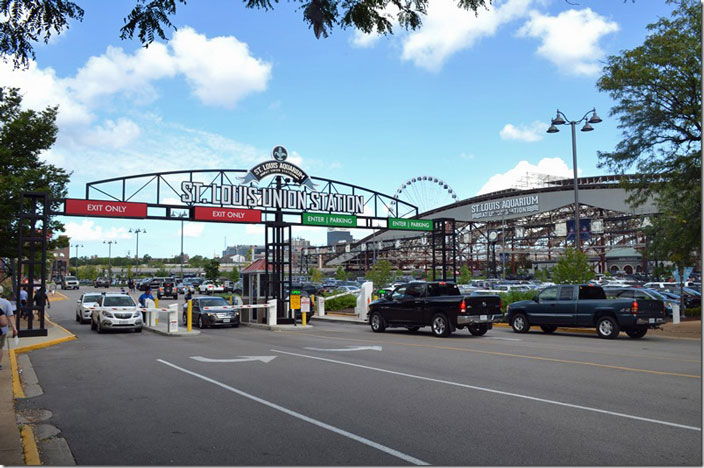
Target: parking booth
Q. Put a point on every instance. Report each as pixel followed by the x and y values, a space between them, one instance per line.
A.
pixel 254 284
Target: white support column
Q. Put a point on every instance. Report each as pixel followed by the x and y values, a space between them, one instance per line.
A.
pixel 320 306
pixel 173 319
pixel 271 312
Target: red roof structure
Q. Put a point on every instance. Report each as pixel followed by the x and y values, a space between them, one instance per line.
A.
pixel 257 267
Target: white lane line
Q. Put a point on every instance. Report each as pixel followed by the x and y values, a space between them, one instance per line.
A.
pixel 490 390
pixel 499 338
pixel 264 359
pixel 300 416
pixel 349 348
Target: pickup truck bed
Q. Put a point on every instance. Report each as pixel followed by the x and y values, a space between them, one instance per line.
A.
pixel 436 304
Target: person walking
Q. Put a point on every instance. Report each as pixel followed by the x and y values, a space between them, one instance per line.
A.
pixel 23 303
pixel 41 300
pixel 143 302
pixel 6 322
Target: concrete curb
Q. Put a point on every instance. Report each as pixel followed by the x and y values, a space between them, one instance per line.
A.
pixel 328 318
pixel 165 333
pixel 29 446
pixel 264 326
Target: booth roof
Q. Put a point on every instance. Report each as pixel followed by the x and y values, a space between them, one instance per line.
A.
pixel 257 266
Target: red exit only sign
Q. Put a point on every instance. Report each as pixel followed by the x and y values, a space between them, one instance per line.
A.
pixel 105 208
pixel 227 215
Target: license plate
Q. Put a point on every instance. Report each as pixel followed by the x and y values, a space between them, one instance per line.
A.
pixel 225 320
pixel 123 322
pixel 652 320
pixel 483 317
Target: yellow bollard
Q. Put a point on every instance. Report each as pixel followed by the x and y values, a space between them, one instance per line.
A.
pixel 230 300
pixel 189 316
pixel 303 319
pixel 156 304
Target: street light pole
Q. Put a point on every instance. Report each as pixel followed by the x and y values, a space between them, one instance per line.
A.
pixel 109 258
pixel 561 119
pixel 137 231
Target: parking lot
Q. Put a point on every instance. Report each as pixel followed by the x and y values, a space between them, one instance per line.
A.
pixel 338 394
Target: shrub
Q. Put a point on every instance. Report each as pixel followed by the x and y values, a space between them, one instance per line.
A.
pixel 515 296
pixel 693 312
pixel 343 302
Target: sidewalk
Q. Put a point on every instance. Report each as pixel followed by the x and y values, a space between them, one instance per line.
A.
pixel 17 444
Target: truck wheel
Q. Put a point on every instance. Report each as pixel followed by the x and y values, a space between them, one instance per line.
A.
pixel 548 328
pixel 440 326
pixel 606 327
pixel 637 332
pixel 520 324
pixel 478 330
pixel 377 323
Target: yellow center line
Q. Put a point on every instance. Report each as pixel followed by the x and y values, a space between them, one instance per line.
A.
pixel 522 356
pixel 57 296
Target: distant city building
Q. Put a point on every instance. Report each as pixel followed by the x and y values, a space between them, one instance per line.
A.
pixel 339 235
pixel 60 265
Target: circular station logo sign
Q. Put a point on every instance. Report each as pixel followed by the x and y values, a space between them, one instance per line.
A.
pixel 279 153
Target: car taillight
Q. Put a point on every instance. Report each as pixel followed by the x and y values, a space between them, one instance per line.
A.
pixel 634 307
pixel 463 307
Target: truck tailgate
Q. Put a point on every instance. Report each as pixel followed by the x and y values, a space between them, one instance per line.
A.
pixel 481 305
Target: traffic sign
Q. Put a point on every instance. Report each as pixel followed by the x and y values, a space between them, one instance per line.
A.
pixel 305 304
pixel 326 219
pixel 295 300
pixel 410 224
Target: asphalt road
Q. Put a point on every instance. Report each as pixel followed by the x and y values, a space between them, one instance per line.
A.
pixel 341 395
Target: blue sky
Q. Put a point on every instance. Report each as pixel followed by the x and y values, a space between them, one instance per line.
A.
pixel 465 99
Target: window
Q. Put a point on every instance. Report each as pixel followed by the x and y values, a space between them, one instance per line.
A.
pixel 91 298
pixel 566 293
pixel 118 301
pixel 415 290
pixel 214 302
pixel 399 293
pixel 443 289
pixel 591 292
pixel 548 294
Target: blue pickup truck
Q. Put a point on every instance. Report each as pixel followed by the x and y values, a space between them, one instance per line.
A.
pixel 585 306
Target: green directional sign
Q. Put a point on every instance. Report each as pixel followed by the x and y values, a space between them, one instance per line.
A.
pixel 326 219
pixel 411 224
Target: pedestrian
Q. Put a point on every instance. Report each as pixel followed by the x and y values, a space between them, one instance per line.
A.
pixel 41 300
pixel 6 321
pixel 147 295
pixel 23 303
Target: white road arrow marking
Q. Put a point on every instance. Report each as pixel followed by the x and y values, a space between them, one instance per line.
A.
pixel 349 348
pixel 264 359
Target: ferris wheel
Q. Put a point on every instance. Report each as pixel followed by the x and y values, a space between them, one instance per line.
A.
pixel 426 193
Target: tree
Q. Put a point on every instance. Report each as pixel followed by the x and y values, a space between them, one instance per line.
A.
pixel 24 135
pixel 27 21
pixel 212 269
pixel 161 272
pixel 316 276
pixel 234 274
pixel 541 275
pixel 380 273
pixel 658 88
pixel 341 274
pixel 465 275
pixel 89 271
pixel 572 268
pixel 197 261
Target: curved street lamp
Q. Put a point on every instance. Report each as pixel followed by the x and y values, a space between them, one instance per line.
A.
pixel 561 119
pixel 110 242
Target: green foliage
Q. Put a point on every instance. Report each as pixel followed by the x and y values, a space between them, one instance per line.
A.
pixel 197 261
pixel 515 296
pixel 572 268
pixel 380 273
pixel 693 312
pixel 541 274
pixel 24 135
pixel 88 271
pixel 339 303
pixel 234 274
pixel 161 272
pixel 658 90
pixel 316 276
pixel 341 274
pixel 212 269
pixel 465 275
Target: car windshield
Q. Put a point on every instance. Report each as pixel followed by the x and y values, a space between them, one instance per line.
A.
pixel 656 294
pixel 118 301
pixel 213 302
pixel 70 278
pixel 91 298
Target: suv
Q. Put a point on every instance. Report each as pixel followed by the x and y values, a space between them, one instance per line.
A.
pixel 116 311
pixel 102 283
pixel 167 288
pixel 69 282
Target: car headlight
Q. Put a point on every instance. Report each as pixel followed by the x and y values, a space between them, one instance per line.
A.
pixel 107 314
pixel 136 315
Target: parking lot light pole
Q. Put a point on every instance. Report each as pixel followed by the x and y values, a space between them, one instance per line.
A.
pixel 561 119
pixel 109 258
pixel 137 231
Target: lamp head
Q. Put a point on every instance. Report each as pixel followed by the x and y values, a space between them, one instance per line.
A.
pixel 558 120
pixel 594 118
pixel 587 127
pixel 553 129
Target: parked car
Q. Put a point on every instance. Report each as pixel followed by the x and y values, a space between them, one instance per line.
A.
pixel 70 282
pixel 85 306
pixel 116 311
pixel 212 311
pixel 586 306
pixel 143 284
pixel 437 304
pixel 641 293
pixel 210 287
pixel 102 283
pixel 184 288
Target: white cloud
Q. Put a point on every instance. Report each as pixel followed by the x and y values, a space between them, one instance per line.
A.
pixel 549 166
pixel 570 40
pixel 88 231
pixel 530 133
pixel 192 229
pixel 364 40
pixel 112 135
pixel 447 29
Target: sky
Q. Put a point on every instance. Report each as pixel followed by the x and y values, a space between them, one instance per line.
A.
pixel 464 98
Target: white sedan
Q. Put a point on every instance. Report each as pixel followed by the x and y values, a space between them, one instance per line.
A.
pixel 85 306
pixel 210 287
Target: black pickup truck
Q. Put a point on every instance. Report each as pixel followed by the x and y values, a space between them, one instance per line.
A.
pixel 437 304
pixel 585 306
